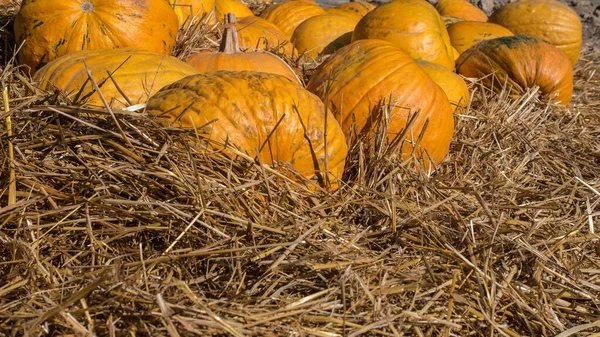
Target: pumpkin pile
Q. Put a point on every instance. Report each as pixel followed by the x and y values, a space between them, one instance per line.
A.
pixel 407 55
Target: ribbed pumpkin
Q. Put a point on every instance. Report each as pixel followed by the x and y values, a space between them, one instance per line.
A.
pixel 187 8
pixel 138 74
pixel 362 74
pixel 413 26
pixel 231 58
pixel 258 33
pixel 236 7
pixel 354 9
pixel 289 15
pixel 323 34
pixel 460 9
pixel 549 20
pixel 463 35
pixel 261 114
pixel 51 28
pixel 453 85
pixel 522 62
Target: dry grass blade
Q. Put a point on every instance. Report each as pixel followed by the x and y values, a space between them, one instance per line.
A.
pixel 160 239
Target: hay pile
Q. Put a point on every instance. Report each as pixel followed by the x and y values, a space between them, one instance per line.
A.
pixel 116 235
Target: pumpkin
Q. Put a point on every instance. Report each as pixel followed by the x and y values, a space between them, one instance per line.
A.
pixel 549 20
pixel 359 76
pixel 190 8
pixel 258 33
pixel 231 58
pixel 138 74
pixel 354 9
pixel 264 115
pixel 323 34
pixel 460 9
pixel 289 15
pixel 453 85
pixel 522 62
pixel 51 29
pixel 455 53
pixel 236 7
pixel 463 35
pixel 413 26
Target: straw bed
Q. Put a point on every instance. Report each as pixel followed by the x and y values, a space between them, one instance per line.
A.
pixel 150 237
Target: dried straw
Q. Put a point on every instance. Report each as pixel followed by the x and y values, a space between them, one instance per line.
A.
pixel 164 239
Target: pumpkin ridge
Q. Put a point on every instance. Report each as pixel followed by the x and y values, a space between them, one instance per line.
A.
pixel 377 87
pixel 377 55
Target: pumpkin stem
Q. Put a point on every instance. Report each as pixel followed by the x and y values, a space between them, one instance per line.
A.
pixel 229 41
pixel 86 6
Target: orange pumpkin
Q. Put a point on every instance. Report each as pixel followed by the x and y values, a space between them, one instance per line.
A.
pixel 522 62
pixel 137 74
pixel 188 8
pixel 258 33
pixel 264 115
pixel 460 9
pixel 51 29
pixel 549 20
pixel 463 35
pixel 453 85
pixel 236 7
pixel 413 26
pixel 289 15
pixel 323 34
pixel 231 58
pixel 359 76
pixel 354 9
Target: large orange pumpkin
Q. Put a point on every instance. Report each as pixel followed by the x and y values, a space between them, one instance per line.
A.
pixel 464 34
pixel 549 20
pixel 258 33
pixel 522 62
pixel 188 8
pixel 460 9
pixel 137 74
pixel 323 34
pixel 289 15
pixel 236 7
pixel 51 28
pixel 231 58
pixel 359 76
pixel 354 9
pixel 453 85
pixel 413 26
pixel 264 115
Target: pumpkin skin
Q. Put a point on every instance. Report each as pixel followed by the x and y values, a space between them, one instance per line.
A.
pixel 258 33
pixel 289 15
pixel 413 26
pixel 369 71
pixel 138 73
pixel 463 35
pixel 231 58
pixel 323 34
pixel 448 20
pixel 460 9
pixel 238 8
pixel 53 28
pixel 522 62
pixel 246 107
pixel 187 8
pixel 356 10
pixel 453 85
pixel 549 20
